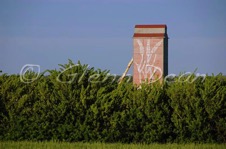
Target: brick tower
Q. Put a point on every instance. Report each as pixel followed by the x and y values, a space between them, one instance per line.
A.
pixel 150 54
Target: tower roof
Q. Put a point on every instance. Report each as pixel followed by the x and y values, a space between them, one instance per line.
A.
pixel 153 30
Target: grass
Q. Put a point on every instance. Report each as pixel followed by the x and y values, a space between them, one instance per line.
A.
pixel 79 145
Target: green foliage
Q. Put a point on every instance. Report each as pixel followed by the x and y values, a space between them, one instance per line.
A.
pixel 79 103
pixel 199 109
pixel 100 145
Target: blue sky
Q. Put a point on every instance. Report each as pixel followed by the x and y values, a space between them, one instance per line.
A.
pixel 99 33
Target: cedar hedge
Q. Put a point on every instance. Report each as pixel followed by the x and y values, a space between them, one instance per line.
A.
pixel 84 104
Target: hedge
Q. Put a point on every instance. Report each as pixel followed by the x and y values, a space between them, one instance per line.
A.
pixel 78 103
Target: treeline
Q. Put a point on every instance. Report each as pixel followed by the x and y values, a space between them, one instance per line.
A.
pixel 78 103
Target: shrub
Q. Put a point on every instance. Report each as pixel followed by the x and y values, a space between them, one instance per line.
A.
pixel 78 103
